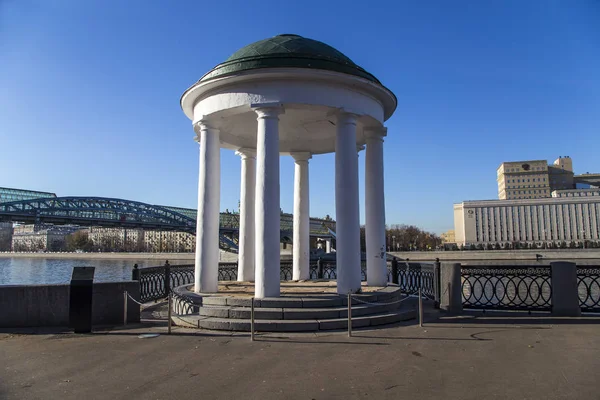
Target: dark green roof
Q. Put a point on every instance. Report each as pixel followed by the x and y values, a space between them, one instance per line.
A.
pixel 288 51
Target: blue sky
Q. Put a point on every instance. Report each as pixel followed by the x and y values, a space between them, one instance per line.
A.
pixel 89 93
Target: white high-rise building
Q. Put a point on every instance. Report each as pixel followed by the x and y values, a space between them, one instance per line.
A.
pixel 563 218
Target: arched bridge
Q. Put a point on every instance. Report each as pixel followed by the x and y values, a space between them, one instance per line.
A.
pixel 108 212
pixel 96 211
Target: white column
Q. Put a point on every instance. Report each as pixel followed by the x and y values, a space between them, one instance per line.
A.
pixel 301 256
pixel 267 208
pixel 246 233
pixel 375 210
pixel 328 246
pixel 346 205
pixel 207 225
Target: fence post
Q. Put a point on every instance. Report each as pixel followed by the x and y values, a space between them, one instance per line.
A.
pixel 319 268
pixel 167 278
pixel 135 274
pixel 451 288
pixel 565 297
pixel 436 283
pixel 395 271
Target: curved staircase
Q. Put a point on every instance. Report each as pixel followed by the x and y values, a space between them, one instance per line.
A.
pixel 290 313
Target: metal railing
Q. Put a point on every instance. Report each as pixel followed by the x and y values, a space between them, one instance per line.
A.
pixel 411 276
pixel 507 288
pixel 156 282
pixel 183 305
pixel 227 271
pixel 588 288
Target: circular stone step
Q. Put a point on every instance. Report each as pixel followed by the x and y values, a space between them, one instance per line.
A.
pixel 243 325
pixel 310 308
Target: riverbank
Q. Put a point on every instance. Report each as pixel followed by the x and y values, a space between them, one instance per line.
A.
pixel 104 256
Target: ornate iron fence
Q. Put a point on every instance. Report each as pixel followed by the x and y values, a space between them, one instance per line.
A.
pixel 412 275
pixel 156 282
pixel 588 288
pixel 152 283
pixel 183 305
pixel 286 271
pixel 181 274
pixel 507 288
pixel 228 271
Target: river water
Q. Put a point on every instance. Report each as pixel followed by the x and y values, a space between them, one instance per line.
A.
pixel 30 271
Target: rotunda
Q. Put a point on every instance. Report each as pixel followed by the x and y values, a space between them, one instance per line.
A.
pixel 289 96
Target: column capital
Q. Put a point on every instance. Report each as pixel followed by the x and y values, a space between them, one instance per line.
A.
pixel 345 117
pixel 268 110
pixel 203 125
pixel 301 155
pixel 246 153
pixel 375 133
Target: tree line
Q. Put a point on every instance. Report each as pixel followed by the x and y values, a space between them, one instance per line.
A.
pixel 400 237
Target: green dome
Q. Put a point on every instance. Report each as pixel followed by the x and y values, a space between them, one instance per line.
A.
pixel 288 51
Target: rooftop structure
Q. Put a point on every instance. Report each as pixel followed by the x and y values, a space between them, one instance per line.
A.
pixel 535 179
pixel 7 195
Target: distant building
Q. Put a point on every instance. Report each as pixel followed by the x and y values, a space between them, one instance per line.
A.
pixel 113 239
pixel 562 218
pixel 448 237
pixel 169 241
pixel 8 195
pixel 41 237
pixel 534 179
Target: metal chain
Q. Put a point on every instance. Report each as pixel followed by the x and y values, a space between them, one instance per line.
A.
pixel 134 300
pixel 380 304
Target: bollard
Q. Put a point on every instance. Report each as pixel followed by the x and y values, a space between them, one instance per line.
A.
pixel 135 274
pixel 451 284
pixel 420 308
pixel 319 268
pixel 169 312
pixel 252 320
pixel 395 271
pixel 349 314
pixel 125 307
pixel 565 295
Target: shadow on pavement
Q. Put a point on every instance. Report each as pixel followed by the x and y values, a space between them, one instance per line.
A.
pixel 509 318
pixel 423 338
pixel 316 340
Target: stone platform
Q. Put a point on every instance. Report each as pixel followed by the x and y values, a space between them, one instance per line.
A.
pixel 303 306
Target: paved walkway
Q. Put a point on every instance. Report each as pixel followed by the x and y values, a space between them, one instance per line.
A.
pixel 456 358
